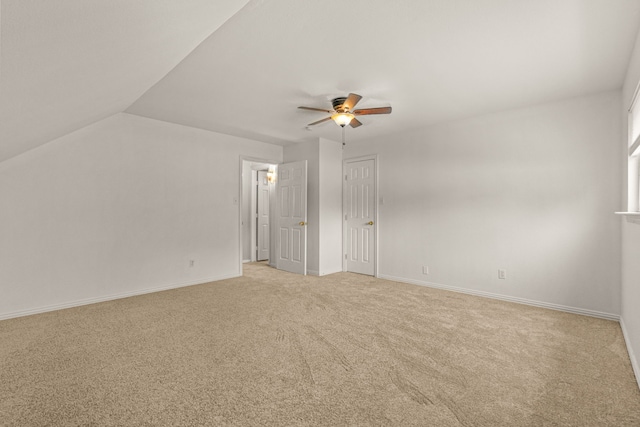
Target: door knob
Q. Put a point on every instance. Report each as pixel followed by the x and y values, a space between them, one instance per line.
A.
pixel 370 223
pixel 302 223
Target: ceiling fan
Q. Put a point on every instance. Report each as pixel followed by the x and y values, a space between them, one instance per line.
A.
pixel 344 114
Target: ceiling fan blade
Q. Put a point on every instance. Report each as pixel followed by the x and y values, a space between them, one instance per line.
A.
pixel 365 111
pixel 355 123
pixel 319 121
pixel 316 109
pixel 351 101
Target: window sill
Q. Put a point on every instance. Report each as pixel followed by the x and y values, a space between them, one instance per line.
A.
pixel 628 213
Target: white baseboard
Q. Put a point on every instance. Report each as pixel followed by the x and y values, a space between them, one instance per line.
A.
pixel 244 261
pixel 87 301
pixel 317 273
pixel 632 355
pixel 525 301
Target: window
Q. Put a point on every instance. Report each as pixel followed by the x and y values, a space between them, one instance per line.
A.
pixel 633 204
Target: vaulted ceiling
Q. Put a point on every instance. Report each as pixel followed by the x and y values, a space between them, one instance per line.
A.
pixel 243 69
pixel 67 63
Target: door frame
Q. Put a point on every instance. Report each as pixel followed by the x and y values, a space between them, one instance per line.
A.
pixel 253 208
pixel 240 193
pixel 376 217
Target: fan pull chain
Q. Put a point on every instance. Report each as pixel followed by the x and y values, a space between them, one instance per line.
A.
pixel 343 143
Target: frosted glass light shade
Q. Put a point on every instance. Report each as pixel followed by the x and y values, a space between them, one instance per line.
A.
pixel 342 119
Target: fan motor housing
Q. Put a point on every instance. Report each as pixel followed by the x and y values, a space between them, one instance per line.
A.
pixel 337 103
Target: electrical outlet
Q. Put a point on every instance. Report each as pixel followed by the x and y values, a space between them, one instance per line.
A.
pixel 425 269
pixel 502 274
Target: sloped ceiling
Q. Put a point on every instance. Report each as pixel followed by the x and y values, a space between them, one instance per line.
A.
pixel 432 61
pixel 67 63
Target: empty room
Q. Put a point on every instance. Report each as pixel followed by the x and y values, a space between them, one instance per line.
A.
pixel 319 213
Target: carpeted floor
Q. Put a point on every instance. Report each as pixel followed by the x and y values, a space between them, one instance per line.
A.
pixel 273 348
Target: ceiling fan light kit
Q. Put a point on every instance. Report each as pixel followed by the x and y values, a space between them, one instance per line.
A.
pixel 343 113
pixel 342 119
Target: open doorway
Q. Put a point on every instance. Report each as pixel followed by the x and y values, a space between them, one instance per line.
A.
pixel 257 201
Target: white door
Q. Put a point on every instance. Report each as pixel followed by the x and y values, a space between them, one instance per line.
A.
pixel 359 205
pixel 291 214
pixel 263 216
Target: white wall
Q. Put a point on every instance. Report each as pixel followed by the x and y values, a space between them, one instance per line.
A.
pixel 531 191
pixel 118 208
pixel 330 215
pixel 630 315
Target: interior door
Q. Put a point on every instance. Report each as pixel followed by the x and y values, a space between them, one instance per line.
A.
pixel 262 217
pixel 359 205
pixel 291 214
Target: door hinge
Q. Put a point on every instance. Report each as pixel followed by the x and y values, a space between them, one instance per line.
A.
pixel 345 217
pixel 345 256
pixel 345 177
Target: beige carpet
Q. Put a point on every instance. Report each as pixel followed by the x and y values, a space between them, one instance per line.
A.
pixel 274 348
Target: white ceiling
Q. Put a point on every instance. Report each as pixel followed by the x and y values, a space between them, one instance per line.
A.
pixel 432 61
pixel 68 63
